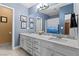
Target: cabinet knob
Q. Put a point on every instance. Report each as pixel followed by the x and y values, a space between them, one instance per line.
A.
pixel 10 32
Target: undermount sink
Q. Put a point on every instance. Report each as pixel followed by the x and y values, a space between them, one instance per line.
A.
pixel 48 36
pixel 65 38
pixel 59 39
pixel 52 37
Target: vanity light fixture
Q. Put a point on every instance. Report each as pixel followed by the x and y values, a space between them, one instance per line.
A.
pixel 42 6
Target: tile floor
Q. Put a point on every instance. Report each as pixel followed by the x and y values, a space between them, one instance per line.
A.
pixel 6 50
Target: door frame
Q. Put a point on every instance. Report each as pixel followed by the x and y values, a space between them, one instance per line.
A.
pixel 13 27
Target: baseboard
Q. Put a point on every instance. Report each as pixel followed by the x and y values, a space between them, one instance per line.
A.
pixel 16 47
pixel 6 43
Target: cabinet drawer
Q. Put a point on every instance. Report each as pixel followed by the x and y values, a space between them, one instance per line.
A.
pixel 29 50
pixel 28 44
pixel 29 39
pixel 22 36
pixel 47 44
pixel 36 42
pixel 36 49
pixel 36 54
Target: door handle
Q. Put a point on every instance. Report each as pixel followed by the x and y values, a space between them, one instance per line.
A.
pixel 10 32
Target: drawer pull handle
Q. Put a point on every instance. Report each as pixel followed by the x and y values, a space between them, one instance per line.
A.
pixel 35 47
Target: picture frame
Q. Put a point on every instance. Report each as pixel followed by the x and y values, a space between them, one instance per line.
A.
pixel 31 20
pixel 23 25
pixel 3 19
pixel 23 18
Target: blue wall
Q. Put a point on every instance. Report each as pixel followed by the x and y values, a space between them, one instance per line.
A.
pixel 63 11
pixel 19 10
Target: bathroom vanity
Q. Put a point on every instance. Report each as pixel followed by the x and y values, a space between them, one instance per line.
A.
pixel 44 45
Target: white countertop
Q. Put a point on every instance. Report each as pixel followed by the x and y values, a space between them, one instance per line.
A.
pixel 63 41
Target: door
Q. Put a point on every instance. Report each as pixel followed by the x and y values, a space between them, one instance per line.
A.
pixel 67 28
pixel 5 27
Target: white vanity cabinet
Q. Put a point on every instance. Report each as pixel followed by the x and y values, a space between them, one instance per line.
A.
pixel 37 46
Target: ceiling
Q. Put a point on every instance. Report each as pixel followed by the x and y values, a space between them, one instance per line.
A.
pixel 28 5
pixel 54 8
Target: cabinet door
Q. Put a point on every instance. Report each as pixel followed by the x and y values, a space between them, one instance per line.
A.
pixel 22 38
pixel 43 51
pixel 47 52
pixel 21 42
pixel 25 44
pixel 36 54
pixel 53 53
pixel 57 54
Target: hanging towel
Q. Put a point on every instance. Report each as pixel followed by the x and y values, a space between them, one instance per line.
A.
pixel 73 21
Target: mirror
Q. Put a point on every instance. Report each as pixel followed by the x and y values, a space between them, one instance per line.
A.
pixel 52 22
pixel 59 20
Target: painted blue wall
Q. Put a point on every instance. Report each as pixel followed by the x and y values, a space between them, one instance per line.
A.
pixel 19 10
pixel 68 9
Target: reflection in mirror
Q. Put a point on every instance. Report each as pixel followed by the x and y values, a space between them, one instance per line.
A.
pixel 60 19
pixel 52 23
pixel 71 25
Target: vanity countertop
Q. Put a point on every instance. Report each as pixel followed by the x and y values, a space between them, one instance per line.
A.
pixel 63 41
